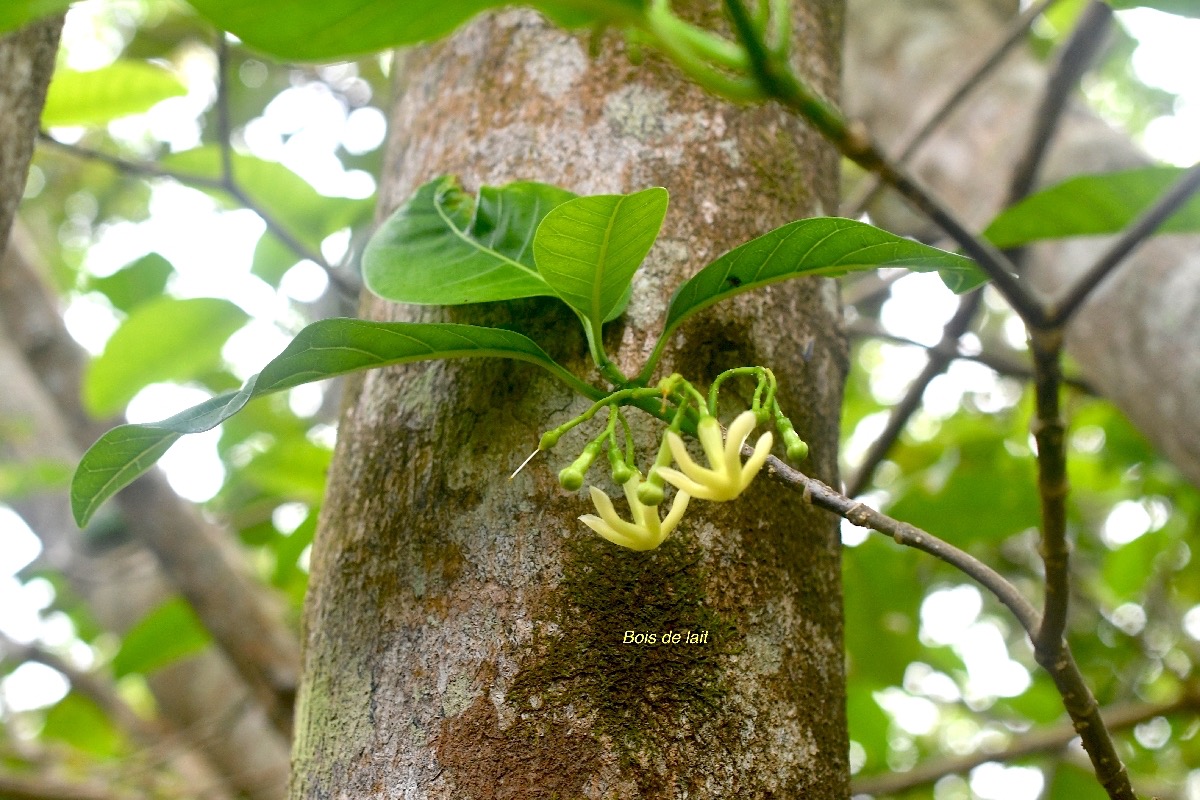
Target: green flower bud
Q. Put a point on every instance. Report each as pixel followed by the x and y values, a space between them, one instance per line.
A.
pixel 621 471
pixel 796 447
pixel 650 493
pixel 549 439
pixel 570 478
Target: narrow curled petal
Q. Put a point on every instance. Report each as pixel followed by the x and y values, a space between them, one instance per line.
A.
pixel 678 506
pixel 739 429
pixel 754 463
pixel 646 532
pixel 683 483
pixel 725 477
pixel 708 431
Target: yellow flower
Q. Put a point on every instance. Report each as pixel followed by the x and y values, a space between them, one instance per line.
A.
pixel 727 477
pixel 646 532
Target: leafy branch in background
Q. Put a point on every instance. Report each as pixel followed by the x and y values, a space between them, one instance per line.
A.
pixel 752 67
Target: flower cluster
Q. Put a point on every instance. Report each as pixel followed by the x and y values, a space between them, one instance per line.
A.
pixel 724 478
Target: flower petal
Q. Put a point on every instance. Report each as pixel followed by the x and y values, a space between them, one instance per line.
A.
pixel 754 463
pixel 684 483
pixel 684 459
pixel 708 431
pixel 678 506
pixel 739 429
pixel 604 529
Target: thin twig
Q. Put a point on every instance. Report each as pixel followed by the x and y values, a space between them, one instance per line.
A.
pixel 224 128
pixel 1070 64
pixel 229 187
pixel 1077 698
pixel 855 143
pixel 939 357
pixel 1045 740
pixel 1062 310
pixel 1015 35
pixel 870 285
pixel 40 787
pixel 998 364
pixel 822 496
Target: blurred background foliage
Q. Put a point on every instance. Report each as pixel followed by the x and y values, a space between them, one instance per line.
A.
pixel 147 234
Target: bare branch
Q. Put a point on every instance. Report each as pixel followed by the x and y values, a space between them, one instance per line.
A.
pixel 198 558
pixel 1070 64
pixel 1134 235
pixel 940 357
pixel 1000 364
pixel 1015 35
pixel 1044 740
pixel 41 787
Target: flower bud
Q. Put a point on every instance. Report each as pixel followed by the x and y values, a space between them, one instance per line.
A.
pixel 570 478
pixel 650 493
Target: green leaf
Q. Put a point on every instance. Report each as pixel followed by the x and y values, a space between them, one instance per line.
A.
pixel 1092 205
pixel 166 634
pixel 333 29
pixel 135 283
pixel 18 13
pixel 306 214
pixel 443 247
pixel 79 722
pixel 322 350
pixel 164 340
pixel 588 248
pixel 818 246
pixel 118 90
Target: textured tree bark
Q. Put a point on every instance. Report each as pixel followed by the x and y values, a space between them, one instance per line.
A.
pixel 464 631
pixel 26 62
pixel 1136 340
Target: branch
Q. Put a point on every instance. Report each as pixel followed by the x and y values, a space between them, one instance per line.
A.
pixel 26 62
pixel 822 496
pixel 226 184
pixel 1062 310
pixel 940 357
pixel 1076 696
pixel 198 558
pixel 999 364
pixel 1045 740
pixel 1015 35
pixel 149 734
pixel 855 143
pixel 40 787
pixel 1072 61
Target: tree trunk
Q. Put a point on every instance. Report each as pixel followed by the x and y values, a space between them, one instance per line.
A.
pixel 464 632
pixel 902 59
pixel 26 62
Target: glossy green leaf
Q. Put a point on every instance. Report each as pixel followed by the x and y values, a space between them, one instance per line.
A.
pixel 588 248
pixel 322 350
pixel 163 340
pixel 166 634
pixel 18 13
pixel 135 283
pixel 818 246
pixel 118 90
pixel 306 214
pixel 1092 205
pixel 331 29
pixel 444 247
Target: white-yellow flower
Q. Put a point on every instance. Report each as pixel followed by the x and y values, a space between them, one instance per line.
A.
pixel 726 477
pixel 646 532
